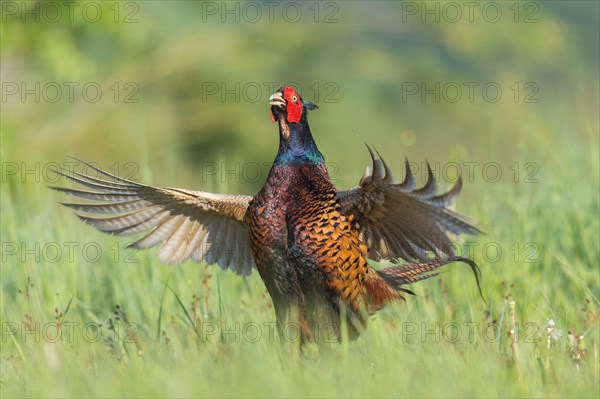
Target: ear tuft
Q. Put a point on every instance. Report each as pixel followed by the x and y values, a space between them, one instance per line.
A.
pixel 310 106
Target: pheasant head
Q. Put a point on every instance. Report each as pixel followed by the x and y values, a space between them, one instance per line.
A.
pixel 286 103
pixel 296 144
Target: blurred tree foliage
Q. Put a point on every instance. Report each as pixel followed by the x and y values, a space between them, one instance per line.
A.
pixel 355 59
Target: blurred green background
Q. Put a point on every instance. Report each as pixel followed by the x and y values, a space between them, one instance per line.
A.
pixel 184 102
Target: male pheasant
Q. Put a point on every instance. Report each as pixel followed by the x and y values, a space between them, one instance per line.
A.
pixel 308 240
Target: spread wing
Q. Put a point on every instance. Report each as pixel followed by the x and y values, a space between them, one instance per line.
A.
pixel 182 223
pixel 399 221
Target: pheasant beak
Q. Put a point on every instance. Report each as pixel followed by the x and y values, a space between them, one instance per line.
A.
pixel 277 100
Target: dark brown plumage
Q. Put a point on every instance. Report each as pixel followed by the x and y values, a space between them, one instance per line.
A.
pixel 308 240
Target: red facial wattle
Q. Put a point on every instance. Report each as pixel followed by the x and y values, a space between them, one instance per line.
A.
pixel 294 112
pixel 294 105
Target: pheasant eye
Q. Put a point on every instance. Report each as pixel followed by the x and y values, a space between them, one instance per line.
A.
pixel 294 98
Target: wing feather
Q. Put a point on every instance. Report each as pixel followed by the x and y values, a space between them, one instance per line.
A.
pixel 186 248
pixel 182 223
pixel 201 245
pixel 170 246
pixel 117 207
pixel 398 221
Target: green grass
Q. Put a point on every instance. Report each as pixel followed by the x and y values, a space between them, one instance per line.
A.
pixel 131 326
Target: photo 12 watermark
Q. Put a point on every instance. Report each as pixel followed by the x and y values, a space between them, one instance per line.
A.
pixel 48 172
pixel 51 252
pixel 254 92
pixel 70 92
pixel 54 12
pixel 489 12
pixel 94 252
pixel 251 12
pixel 247 172
pixel 525 172
pixel 61 331
pixel 491 252
pixel 470 92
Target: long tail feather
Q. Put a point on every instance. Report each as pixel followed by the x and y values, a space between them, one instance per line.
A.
pixel 412 272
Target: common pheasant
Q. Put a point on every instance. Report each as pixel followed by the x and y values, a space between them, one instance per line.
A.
pixel 308 240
